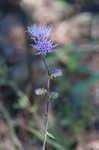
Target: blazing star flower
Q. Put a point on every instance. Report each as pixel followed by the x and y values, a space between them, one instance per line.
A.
pixel 41 31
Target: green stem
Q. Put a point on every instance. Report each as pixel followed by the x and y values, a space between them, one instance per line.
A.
pixel 47 103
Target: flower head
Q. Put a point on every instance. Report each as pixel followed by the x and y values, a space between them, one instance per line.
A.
pixel 40 31
pixel 58 72
pixel 53 95
pixel 44 46
pixel 41 34
pixel 40 91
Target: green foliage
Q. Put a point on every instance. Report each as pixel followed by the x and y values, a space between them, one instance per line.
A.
pixel 75 101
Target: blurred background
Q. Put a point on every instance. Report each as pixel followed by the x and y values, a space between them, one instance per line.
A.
pixel 74 116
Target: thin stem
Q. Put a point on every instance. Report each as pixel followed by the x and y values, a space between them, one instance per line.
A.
pixel 46 66
pixel 47 104
pixel 46 124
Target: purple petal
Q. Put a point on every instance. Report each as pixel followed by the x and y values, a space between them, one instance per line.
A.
pixel 58 72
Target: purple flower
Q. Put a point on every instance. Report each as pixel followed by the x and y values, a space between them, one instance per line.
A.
pixel 58 72
pixel 37 91
pixel 55 73
pixel 40 91
pixel 44 46
pixel 40 31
